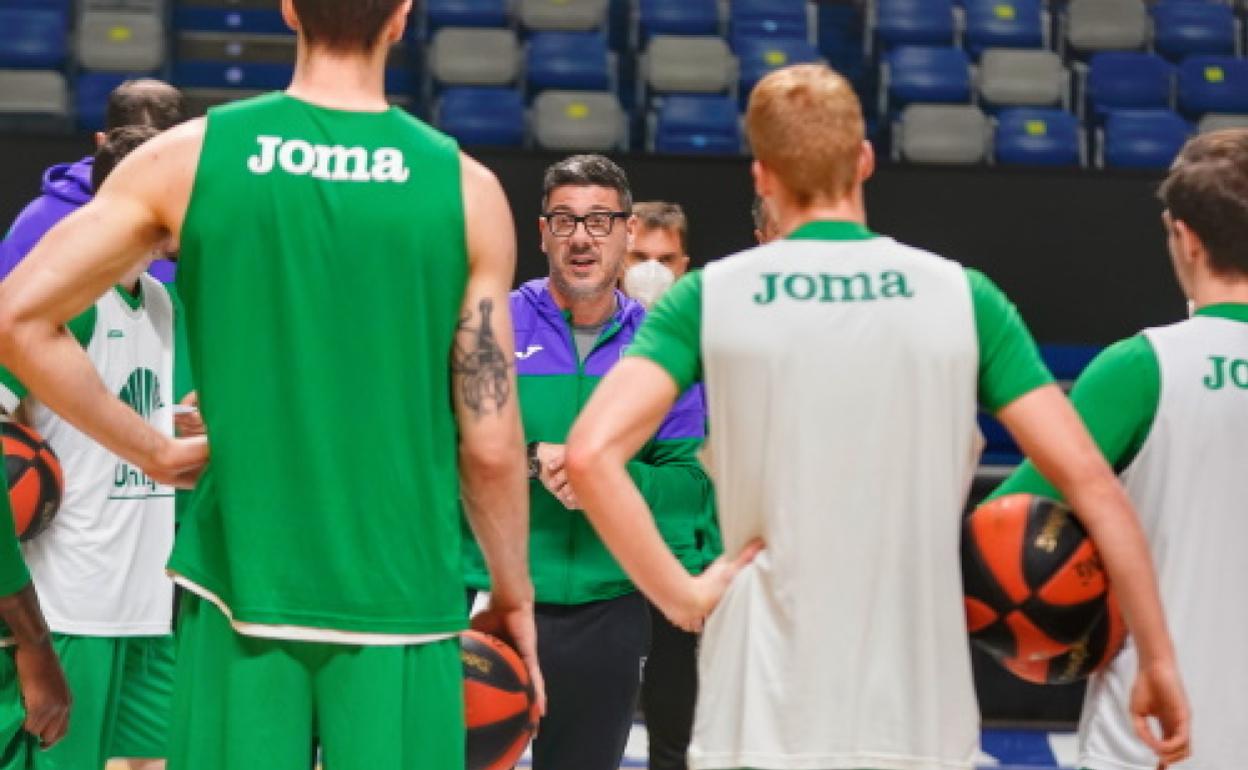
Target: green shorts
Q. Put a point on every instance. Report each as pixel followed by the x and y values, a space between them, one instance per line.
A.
pixel 243 703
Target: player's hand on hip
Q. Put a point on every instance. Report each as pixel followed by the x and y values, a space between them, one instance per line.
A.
pixel 1158 693
pixel 516 626
pixel 554 474
pixel 711 585
pixel 179 462
pixel 45 693
pixel 188 420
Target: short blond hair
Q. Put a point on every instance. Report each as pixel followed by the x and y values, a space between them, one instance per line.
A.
pixel 805 124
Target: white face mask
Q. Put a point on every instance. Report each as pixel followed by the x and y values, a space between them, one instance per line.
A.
pixel 646 281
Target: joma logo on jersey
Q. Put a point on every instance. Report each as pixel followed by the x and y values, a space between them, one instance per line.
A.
pixel 142 393
pixel 828 287
pixel 331 164
pixel 1233 370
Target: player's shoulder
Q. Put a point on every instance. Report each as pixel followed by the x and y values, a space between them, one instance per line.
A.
pixel 898 254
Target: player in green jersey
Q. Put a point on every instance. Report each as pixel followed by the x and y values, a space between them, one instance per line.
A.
pixel 345 273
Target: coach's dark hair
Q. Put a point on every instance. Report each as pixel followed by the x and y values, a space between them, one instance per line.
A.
pixel 587 171
pixel 345 26
pixel 1207 190
pixel 118 143
pixel 144 102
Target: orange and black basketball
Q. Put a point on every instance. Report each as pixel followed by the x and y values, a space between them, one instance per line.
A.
pixel 34 477
pixel 500 704
pixel 1032 580
pixel 1085 657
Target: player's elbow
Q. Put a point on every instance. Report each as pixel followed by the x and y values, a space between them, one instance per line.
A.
pixel 585 457
pixel 11 326
pixel 491 458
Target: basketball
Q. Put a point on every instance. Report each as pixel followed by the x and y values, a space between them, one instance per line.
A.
pixel 1033 582
pixel 34 477
pixel 500 705
pixel 1084 658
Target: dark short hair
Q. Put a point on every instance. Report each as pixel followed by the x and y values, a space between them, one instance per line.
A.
pixel 118 143
pixel 1207 190
pixel 587 171
pixel 662 215
pixel 760 214
pixel 144 102
pixel 347 26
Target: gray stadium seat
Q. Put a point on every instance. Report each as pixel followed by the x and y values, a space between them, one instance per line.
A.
pixel 578 120
pixel 33 92
pixel 475 57
pixel 121 41
pixel 1217 122
pixel 1023 78
pixel 942 133
pixel 134 6
pixel 685 64
pixel 252 49
pixel 562 14
pixel 1107 25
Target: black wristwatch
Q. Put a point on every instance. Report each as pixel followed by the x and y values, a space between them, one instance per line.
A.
pixel 535 465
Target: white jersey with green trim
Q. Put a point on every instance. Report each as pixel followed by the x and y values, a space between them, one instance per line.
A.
pixel 851 369
pixel 1188 483
pixel 99 567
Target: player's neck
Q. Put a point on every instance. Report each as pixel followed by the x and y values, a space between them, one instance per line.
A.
pixel 353 82
pixel 1215 290
pixel 790 216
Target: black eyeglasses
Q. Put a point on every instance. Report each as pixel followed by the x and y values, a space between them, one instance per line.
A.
pixel 598 224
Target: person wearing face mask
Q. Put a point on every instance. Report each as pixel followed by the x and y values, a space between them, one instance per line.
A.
pixel 571 328
pixel 659 252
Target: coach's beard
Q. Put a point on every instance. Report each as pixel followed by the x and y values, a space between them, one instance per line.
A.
pixel 579 291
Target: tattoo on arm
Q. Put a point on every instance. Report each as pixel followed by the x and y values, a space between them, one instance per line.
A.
pixel 480 365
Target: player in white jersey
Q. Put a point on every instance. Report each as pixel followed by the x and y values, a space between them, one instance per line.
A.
pixel 842 371
pixel 1169 410
pixel 99 568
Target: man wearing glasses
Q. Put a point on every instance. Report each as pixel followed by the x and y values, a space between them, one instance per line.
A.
pixel 571 328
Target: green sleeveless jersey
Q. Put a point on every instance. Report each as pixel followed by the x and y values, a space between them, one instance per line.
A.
pixel 323 264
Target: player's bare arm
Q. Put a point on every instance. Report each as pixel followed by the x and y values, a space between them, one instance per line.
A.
pixel 624 412
pixel 141 205
pixel 491 451
pixel 45 693
pixel 1049 431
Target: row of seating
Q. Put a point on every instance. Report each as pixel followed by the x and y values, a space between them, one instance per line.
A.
pixel 964 135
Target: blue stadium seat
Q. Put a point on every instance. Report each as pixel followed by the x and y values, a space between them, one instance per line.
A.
pixel 91 93
pixel 571 61
pixel 927 74
pixel 1003 24
pixel 1128 80
pixel 1143 139
pixel 1213 84
pixel 1037 137
pixel 759 56
pixel 1185 27
pixel 704 125
pixel 249 20
pixel 34 36
pixel 483 116
pixel 687 17
pixel 914 22
pixel 465 13
pixel 251 76
pixel 768 19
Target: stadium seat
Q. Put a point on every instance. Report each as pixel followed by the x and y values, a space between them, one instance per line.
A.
pixel 768 19
pixel 759 56
pixel 121 41
pixel 700 124
pixel 34 37
pixel 1142 139
pixel 914 22
pixel 941 133
pixel 679 64
pixel 1128 80
pixel 687 17
pixel 925 74
pixel 492 117
pixel 40 93
pixel 1216 122
pixel 465 13
pixel 1003 24
pixel 474 56
pixel 256 21
pixel 1186 27
pixel 570 61
pixel 587 121
pixel 239 47
pixel 1018 78
pixel 1213 84
pixel 91 92
pixel 565 15
pixel 216 74
pixel 1106 25
pixel 1037 137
